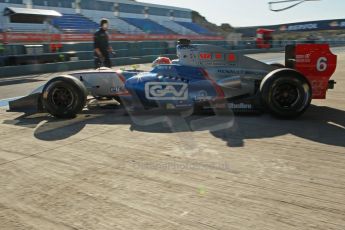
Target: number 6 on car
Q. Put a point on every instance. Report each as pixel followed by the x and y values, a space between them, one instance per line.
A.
pixel 321 64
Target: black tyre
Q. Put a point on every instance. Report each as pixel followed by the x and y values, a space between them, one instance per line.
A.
pixel 286 93
pixel 278 65
pixel 64 97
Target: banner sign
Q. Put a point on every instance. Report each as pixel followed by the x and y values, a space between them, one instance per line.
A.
pixel 310 26
pixel 40 37
pixel 335 24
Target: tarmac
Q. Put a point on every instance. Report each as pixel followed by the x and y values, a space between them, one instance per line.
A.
pixel 110 170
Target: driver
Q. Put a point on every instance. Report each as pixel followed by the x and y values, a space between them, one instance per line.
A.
pixel 101 45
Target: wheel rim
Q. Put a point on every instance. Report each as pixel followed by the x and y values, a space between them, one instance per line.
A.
pixel 62 97
pixel 286 95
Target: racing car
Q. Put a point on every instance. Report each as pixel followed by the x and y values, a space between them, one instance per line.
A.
pixel 203 77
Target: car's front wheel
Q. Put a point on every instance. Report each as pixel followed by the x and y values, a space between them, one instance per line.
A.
pixel 64 97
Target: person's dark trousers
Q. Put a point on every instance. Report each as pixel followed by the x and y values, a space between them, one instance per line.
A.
pixel 106 62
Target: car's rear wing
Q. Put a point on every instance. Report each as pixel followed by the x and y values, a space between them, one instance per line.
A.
pixel 316 62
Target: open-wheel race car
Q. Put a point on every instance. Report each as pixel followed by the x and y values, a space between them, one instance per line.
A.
pixel 203 77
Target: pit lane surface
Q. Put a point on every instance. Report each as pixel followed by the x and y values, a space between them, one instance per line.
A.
pixel 106 170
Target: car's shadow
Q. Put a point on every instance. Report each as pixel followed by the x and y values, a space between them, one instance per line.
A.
pixel 320 124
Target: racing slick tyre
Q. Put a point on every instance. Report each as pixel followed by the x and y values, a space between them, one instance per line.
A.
pixel 286 93
pixel 64 96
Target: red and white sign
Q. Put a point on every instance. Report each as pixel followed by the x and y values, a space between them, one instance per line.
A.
pixel 40 37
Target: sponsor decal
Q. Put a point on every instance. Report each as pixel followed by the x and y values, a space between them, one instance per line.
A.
pixel 164 67
pixel 304 58
pixel 318 87
pixel 219 56
pixel 215 59
pixel 202 96
pixel 231 57
pixel 310 26
pixel 283 28
pixel 213 63
pixel 205 56
pixel 166 91
pixel 183 104
pixel 334 24
pixel 232 78
pixel 242 72
pixel 240 106
pixel 170 106
pixel 117 89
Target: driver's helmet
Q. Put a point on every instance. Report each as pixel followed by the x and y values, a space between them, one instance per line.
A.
pixel 161 61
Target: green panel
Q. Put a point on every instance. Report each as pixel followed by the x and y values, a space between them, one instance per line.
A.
pixel 134 49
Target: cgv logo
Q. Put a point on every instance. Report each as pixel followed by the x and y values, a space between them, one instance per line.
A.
pixel 166 91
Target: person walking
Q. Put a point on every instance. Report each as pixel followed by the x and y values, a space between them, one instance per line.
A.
pixel 102 48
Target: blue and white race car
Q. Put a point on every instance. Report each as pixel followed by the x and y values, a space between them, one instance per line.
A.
pixel 203 77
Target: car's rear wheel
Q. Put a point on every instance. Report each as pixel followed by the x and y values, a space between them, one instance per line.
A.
pixel 64 97
pixel 286 93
